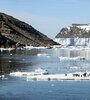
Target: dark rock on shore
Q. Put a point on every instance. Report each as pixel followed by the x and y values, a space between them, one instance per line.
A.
pixel 15 33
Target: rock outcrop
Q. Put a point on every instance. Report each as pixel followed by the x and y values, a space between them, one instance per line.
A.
pixel 75 35
pixel 15 33
pixel 75 31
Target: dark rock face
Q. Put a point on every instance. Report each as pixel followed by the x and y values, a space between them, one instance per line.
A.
pixel 75 31
pixel 15 33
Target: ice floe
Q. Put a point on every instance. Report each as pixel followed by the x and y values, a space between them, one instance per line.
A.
pixel 2 76
pixel 43 54
pixel 78 67
pixel 39 71
pixel 72 58
pixel 42 75
pixel 31 47
pixel 4 49
pixel 52 77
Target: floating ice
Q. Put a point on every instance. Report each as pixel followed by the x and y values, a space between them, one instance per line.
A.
pixel 56 46
pixel 78 67
pixel 9 49
pixel 2 76
pixel 70 76
pixel 42 75
pixel 38 71
pixel 31 47
pixel 43 54
pixel 72 58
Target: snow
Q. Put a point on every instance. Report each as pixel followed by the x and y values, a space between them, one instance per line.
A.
pixel 68 28
pixel 84 27
pixel 73 41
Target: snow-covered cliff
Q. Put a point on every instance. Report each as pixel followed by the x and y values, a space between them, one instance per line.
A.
pixel 73 41
pixel 75 35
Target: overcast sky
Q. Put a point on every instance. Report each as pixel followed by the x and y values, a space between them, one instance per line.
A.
pixel 48 16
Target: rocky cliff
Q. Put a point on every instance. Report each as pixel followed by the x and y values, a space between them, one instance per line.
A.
pixel 15 33
pixel 75 35
pixel 75 31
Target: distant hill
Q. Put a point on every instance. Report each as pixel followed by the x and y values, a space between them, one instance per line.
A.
pixel 74 35
pixel 75 31
pixel 15 33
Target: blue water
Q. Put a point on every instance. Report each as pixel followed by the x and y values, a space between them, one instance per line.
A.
pixel 18 88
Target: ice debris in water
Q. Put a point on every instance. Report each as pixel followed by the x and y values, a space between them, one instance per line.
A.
pixel 2 76
pixel 31 47
pixel 72 58
pixel 9 49
pixel 42 75
pixel 70 76
pixel 43 54
pixel 39 71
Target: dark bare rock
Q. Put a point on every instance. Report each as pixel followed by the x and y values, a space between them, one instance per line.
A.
pixel 75 31
pixel 15 33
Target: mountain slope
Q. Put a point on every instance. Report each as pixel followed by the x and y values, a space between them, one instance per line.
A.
pixel 14 33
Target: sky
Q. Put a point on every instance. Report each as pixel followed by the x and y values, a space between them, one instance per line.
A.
pixel 48 16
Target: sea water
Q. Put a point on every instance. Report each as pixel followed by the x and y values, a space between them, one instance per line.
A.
pixel 25 60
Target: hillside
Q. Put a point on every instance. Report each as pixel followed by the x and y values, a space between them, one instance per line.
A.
pixel 15 33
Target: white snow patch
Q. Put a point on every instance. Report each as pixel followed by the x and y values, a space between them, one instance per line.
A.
pixel 43 55
pixel 84 27
pixel 68 28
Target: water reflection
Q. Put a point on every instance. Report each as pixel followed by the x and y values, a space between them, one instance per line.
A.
pixel 28 60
